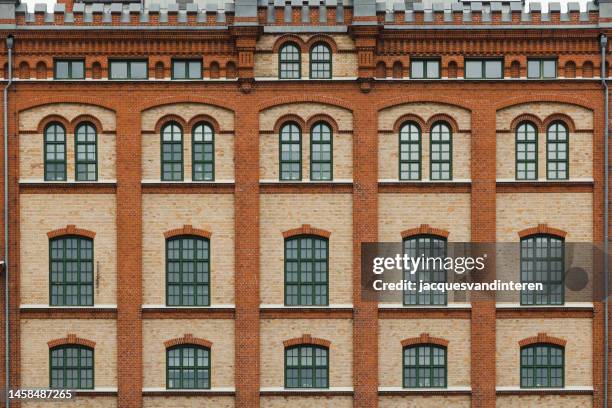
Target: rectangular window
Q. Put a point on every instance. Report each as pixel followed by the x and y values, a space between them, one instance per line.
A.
pixel 128 69
pixel 186 69
pixel 69 69
pixel 425 69
pixel 539 68
pixel 484 69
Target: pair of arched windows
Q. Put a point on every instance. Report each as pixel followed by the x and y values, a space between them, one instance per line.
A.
pixel 290 61
pixel 202 152
pixel 557 151
pixel 321 151
pixel 440 150
pixel 85 147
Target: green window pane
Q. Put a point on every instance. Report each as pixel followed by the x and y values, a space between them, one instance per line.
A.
pixel 424 366
pixel 71 367
pixel 306 366
pixel 71 271
pixel 321 152
pixel 428 246
pixel 55 152
pixel 172 152
pixel 542 261
pixel 542 366
pixel 526 151
pixel 187 271
pixel 203 158
pixel 290 152
pixel 289 62
pixel 188 367
pixel 410 152
pixel 86 154
pixel 306 271
pixel 320 62
pixel 557 152
pixel 441 152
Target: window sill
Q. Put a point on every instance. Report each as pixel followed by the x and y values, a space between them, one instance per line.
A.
pixel 432 307
pixel 428 391
pixel 546 181
pixel 203 182
pixel 281 391
pixel 567 305
pixel 568 390
pixel 217 391
pixel 424 181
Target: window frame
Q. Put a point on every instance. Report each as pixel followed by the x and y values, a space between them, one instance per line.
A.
pixel 418 275
pixel 70 61
pixel 483 68
pixel 78 366
pixel 129 63
pixel 299 272
pixel 195 367
pixel 281 61
pixel 557 142
pixel 321 143
pixel 450 151
pixel 55 143
pixel 180 260
pixel 410 143
pixel 526 143
pixel 78 260
pixel 86 143
pixel 524 294
pixel 430 366
pixel 186 61
pixel 541 62
pixel 313 367
pixel 534 367
pixel 204 124
pixel 311 61
pixel 280 152
pixel 172 142
pixel 425 62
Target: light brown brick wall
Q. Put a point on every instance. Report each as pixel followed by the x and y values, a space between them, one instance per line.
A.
pixel 582 117
pixel 219 332
pixel 571 212
pixel 418 401
pixel 41 213
pixel 274 332
pixel 35 351
pixel 30 119
pixel 211 212
pixel 393 331
pixel 544 401
pixel 189 402
pixel 77 402
pixel 578 350
pixel 306 402
pixel 282 212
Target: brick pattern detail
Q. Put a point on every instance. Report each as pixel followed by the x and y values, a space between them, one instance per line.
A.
pixel 188 339
pixel 71 338
pixel 187 230
pixel 542 338
pixel 542 229
pixel 425 338
pixel 307 339
pixel 425 229
pixel 71 230
pixel 306 230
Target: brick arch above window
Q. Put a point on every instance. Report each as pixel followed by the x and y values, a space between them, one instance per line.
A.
pixel 187 230
pixel 54 118
pixel 71 339
pixel 322 118
pixel 289 38
pixel 306 229
pixel 542 229
pixel 442 117
pixel 201 118
pixel 188 339
pixel 322 39
pixel 410 117
pixel 560 117
pixel 71 230
pixel 425 229
pixel 542 338
pixel 166 119
pixel 424 338
pixel 283 120
pixel 307 339
pixel 77 121
pixel 527 117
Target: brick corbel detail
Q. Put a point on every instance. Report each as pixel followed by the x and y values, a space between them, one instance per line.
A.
pixel 188 339
pixel 425 229
pixel 71 339
pixel 306 229
pixel 542 229
pixel 542 338
pixel 424 338
pixel 307 339
pixel 71 230
pixel 187 230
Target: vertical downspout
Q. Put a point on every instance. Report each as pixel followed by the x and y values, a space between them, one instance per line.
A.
pixel 9 46
pixel 603 40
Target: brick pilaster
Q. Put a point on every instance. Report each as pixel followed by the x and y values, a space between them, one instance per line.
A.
pixel 129 251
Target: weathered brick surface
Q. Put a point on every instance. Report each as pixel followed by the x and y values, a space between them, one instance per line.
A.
pixel 422 401
pixel 77 402
pixel 307 402
pixel 189 402
pixel 560 401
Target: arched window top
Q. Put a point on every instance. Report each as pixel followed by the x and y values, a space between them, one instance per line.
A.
pixel 172 132
pixel 322 49
pixel 559 127
pixel 203 132
pixel 290 129
pixel 85 128
pixel 542 366
pixel 424 366
pixel 290 51
pixel 321 126
pixel 188 367
pixel 410 128
pixel 441 128
pixel 55 132
pixel 306 366
pixel 526 127
pixel 71 367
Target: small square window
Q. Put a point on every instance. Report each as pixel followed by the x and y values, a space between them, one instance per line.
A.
pixel 483 69
pixel 69 69
pixel 128 69
pixel 541 68
pixel 425 69
pixel 186 69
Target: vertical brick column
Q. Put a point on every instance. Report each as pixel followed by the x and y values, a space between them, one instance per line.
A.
pixel 246 214
pixel 483 231
pixel 129 255
pixel 365 229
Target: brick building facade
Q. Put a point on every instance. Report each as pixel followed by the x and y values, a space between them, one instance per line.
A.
pixel 139 137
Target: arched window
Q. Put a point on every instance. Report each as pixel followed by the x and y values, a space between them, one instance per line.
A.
pixel 72 367
pixel 203 156
pixel 86 144
pixel 71 271
pixel 320 61
pixel 306 270
pixel 542 261
pixel 557 151
pixel 306 366
pixel 187 367
pixel 410 152
pixel 441 151
pixel 526 151
pixel 426 246
pixel 542 366
pixel 289 62
pixel 290 152
pixel 172 152
pixel 321 152
pixel 424 366
pixel 55 152
pixel 188 271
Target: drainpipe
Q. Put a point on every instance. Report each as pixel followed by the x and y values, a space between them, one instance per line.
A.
pixel 603 40
pixel 9 46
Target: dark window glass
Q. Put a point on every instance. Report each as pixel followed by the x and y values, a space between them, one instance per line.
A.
pixel 542 366
pixel 441 152
pixel 188 367
pixel 186 69
pixel 542 261
pixel 289 62
pixel 72 367
pixel 203 145
pixel 306 271
pixel 306 366
pixel 320 62
pixel 321 152
pixel 541 68
pixel 55 152
pixel 483 69
pixel 526 152
pixel 71 271
pixel 172 152
pixel 425 68
pixel 424 366
pixel 427 246
pixel 86 153
pixel 128 70
pixel 410 152
pixel 69 69
pixel 188 271
pixel 290 152
pixel 557 151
